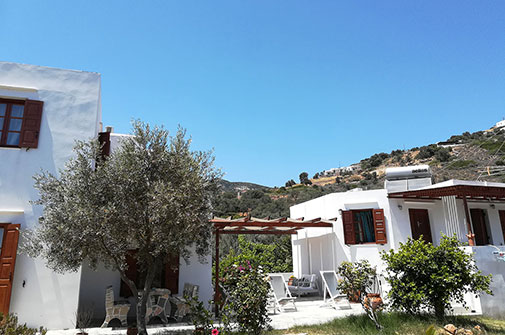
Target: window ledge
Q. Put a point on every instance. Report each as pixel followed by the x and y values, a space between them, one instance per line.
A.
pixel 10 148
pixel 11 211
pixel 15 88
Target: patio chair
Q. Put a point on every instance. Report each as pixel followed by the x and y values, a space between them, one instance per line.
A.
pixel 336 298
pixel 305 285
pixel 115 309
pixel 281 294
pixel 182 302
pixel 157 304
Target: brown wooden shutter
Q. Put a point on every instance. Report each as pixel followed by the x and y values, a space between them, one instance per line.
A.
pixel 7 264
pixel 104 140
pixel 380 226
pixel 131 273
pixel 348 223
pixel 172 274
pixel 31 124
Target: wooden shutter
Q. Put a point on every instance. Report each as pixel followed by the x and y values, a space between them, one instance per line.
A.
pixel 31 124
pixel 380 226
pixel 104 140
pixel 131 273
pixel 7 263
pixel 172 274
pixel 348 223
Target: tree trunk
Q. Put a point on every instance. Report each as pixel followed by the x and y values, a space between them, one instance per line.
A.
pixel 142 300
pixel 439 310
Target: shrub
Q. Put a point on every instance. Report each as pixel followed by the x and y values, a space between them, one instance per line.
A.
pixel 200 316
pixel 360 278
pixel 427 277
pixel 9 326
pixel 247 289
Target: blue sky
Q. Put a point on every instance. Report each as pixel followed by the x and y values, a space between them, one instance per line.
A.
pixel 278 87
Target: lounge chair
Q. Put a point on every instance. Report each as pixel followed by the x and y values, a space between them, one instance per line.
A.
pixel 307 284
pixel 280 292
pixel 336 298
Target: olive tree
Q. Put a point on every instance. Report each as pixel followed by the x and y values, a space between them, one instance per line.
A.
pixel 153 195
pixel 424 277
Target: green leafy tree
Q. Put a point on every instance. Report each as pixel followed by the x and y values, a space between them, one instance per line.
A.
pixel 304 178
pixel 360 278
pixel 153 194
pixel 427 277
pixel 272 257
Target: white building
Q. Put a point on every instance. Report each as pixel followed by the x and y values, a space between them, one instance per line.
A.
pixel 369 222
pixel 43 111
pixel 500 124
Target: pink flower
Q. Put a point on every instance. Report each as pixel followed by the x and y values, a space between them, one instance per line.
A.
pixel 215 331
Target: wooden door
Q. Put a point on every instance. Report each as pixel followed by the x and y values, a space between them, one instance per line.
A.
pixel 9 247
pixel 420 224
pixel 479 226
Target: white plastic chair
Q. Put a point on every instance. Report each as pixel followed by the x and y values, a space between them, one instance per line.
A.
pixel 281 294
pixel 336 298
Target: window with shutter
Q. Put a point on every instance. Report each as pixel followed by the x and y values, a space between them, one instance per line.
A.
pixel 364 226
pixel 165 277
pixel 20 123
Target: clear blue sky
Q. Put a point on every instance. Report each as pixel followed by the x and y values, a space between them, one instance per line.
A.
pixel 278 87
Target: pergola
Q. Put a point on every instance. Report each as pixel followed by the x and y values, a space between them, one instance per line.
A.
pixel 460 191
pixel 251 225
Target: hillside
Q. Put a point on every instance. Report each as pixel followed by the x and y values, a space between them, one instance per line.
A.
pixel 469 156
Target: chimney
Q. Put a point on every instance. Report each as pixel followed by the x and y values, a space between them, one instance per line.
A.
pixel 109 129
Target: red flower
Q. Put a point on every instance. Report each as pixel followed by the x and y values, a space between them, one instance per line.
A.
pixel 215 331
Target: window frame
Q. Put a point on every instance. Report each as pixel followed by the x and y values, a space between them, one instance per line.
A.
pixel 6 122
pixel 357 222
pixel 349 226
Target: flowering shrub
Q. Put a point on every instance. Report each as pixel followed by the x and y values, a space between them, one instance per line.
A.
pixel 246 288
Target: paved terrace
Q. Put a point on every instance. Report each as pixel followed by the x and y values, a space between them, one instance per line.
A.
pixel 311 311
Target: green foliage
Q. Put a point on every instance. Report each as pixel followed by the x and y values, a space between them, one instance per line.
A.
pixel 201 317
pixel 461 164
pixel 304 179
pixel 247 289
pixel 153 193
pixel 440 153
pixel 360 278
pixel 427 277
pixel 273 257
pixel 9 326
pixel 373 161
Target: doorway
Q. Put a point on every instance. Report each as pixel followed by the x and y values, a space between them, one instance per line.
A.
pixel 9 235
pixel 478 216
pixel 420 224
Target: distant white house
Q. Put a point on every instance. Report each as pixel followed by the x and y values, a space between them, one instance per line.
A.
pixel 500 124
pixel 43 111
pixel 369 222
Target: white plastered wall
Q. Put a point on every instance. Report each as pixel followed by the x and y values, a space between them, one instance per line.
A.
pixel 71 112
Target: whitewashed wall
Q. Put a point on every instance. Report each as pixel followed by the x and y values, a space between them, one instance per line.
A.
pixel 72 111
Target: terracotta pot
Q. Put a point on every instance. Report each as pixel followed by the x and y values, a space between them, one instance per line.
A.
pixel 373 300
pixel 132 331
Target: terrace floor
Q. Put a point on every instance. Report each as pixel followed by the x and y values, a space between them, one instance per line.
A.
pixel 311 310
